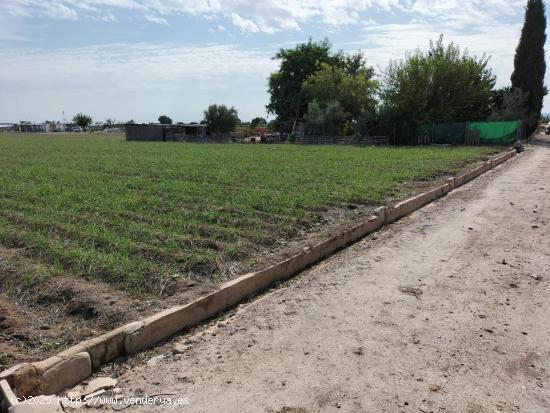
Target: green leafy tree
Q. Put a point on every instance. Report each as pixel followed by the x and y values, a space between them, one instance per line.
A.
pixel 327 121
pixel 221 119
pixel 315 118
pixel 165 120
pixel 497 99
pixel 510 104
pixel 109 123
pixel 354 90
pixel 356 62
pixel 254 123
pixel 443 85
pixel 272 126
pixel 297 64
pixel 334 118
pixel 82 120
pixel 529 62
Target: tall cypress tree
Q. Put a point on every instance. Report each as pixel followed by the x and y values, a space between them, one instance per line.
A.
pixel 529 62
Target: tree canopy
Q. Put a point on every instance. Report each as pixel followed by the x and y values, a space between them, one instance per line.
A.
pixel 529 61
pixel 324 121
pixel 509 104
pixel 297 65
pixel 221 119
pixel 165 120
pixel 355 91
pixel 82 120
pixel 313 72
pixel 443 85
pixel 254 123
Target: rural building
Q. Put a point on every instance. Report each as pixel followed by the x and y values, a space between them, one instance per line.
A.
pixel 163 133
pixel 8 127
pixel 29 127
pixel 55 127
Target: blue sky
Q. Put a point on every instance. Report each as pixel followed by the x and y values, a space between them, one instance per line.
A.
pixel 137 59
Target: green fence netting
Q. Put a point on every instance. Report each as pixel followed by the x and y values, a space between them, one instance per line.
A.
pixel 496 133
pixel 445 133
pixel 459 133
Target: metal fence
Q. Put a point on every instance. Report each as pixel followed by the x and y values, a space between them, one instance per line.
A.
pixel 341 140
pixel 221 138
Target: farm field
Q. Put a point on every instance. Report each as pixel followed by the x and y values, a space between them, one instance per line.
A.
pixel 143 214
pixel 96 231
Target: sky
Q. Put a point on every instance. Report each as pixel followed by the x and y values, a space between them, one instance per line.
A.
pixel 138 59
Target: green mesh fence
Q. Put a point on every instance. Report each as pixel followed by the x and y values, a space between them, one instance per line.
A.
pixel 445 133
pixel 496 133
pixel 459 133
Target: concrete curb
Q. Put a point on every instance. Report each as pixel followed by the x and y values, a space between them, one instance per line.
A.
pixel 73 365
pixel 168 322
pixel 7 398
pixel 467 177
pixel 407 206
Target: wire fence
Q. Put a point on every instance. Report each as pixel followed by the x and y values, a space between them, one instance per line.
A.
pixel 341 140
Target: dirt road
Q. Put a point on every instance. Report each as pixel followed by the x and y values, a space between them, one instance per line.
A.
pixel 444 311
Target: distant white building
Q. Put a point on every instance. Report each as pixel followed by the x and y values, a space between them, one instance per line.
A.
pixel 55 127
pixel 30 127
pixel 7 127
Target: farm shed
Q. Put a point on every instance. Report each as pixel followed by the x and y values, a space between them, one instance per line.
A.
pixel 162 133
pixel 28 127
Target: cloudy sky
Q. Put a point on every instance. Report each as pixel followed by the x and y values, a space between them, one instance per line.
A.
pixel 137 59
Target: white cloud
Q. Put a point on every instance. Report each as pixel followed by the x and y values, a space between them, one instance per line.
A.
pixel 156 19
pixel 244 25
pixel 271 16
pixel 218 29
pixel 59 11
pixel 138 77
pixel 108 17
pixel 137 81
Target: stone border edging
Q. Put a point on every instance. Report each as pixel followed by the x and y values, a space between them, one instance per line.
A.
pixel 73 365
pixel 8 398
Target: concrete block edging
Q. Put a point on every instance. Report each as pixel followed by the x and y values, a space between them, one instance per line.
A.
pixel 7 397
pixel 75 364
